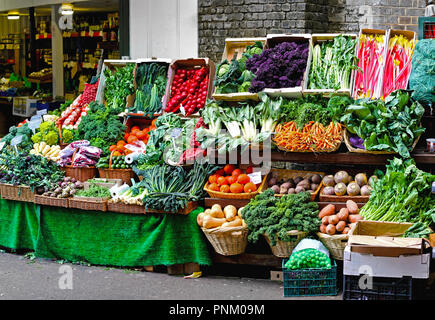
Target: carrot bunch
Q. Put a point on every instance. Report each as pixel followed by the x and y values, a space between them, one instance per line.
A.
pixel 132 136
pixel 313 137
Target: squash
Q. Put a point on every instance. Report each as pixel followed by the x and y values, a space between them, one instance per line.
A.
pixel 210 222
pixel 239 212
pixel 216 211
pixel 200 218
pixel 230 212
pixel 237 222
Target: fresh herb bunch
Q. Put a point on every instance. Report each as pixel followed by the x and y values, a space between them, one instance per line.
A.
pixel 94 191
pixel 171 188
pixel 390 125
pixel 28 169
pixel 119 84
pixel 403 194
pixel 267 214
pixel 101 127
pixel 332 64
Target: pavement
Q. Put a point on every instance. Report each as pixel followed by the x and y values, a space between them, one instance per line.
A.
pixel 26 277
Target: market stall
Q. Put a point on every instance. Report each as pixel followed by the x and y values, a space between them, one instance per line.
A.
pixel 165 162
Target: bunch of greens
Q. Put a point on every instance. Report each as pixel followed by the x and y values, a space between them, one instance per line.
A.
pixel 119 84
pixel 332 64
pixel 151 81
pixel 171 188
pixel 232 76
pixel 182 142
pixel 101 127
pixel 48 132
pixel 313 108
pixel 158 142
pixel 245 124
pixel 418 230
pixel 390 125
pixel 94 191
pixel 25 131
pixel 403 194
pixel 267 214
pixel 30 170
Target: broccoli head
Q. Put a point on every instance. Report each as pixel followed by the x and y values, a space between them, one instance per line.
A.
pixel 51 138
pixel 37 138
pixel 67 136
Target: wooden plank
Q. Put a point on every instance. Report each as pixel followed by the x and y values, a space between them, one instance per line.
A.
pixel 176 269
pixel 191 267
pixel 266 260
pixel 276 276
pixel 238 203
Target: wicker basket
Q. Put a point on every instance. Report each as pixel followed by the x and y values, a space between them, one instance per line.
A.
pixel 224 195
pixel 357 150
pixel 287 174
pixel 125 208
pixel 335 244
pixel 124 174
pixel 51 201
pixel 17 193
pixel 90 204
pixel 283 249
pixel 80 174
pixel 228 241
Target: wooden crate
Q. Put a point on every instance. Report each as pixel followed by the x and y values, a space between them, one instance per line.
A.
pixel 324 37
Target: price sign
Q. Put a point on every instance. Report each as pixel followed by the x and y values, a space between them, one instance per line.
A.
pixel 255 177
pixel 16 141
pixel 35 124
pixel 183 111
pixel 2 144
pixel 176 133
pixel 38 116
pixel 41 112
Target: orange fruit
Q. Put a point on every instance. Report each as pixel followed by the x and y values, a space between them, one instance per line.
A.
pixel 243 179
pixel 250 187
pixel 236 188
pixel 132 139
pixel 225 188
pixel 221 181
pixel 214 187
pixel 231 179
pixel 236 172
pixel 229 168
pixel 213 178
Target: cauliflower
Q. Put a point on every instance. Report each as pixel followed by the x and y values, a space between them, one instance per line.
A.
pixel 37 138
pixel 51 138
pixel 46 127
pixel 67 136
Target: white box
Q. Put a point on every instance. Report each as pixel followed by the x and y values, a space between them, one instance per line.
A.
pixel 415 266
pixel 24 106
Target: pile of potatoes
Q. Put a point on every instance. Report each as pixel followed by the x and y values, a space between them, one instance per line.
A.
pixel 342 184
pixel 215 217
pixel 341 222
pixel 294 185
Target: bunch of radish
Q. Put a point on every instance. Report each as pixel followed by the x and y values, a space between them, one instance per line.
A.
pixel 341 222
pixel 71 117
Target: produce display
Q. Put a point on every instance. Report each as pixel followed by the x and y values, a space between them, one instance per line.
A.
pixel 133 136
pixel 58 112
pixel 79 154
pixel 94 191
pixel 403 194
pixel 151 81
pixel 398 64
pixel 118 162
pixel 72 116
pixel 368 78
pixel 131 195
pixel 47 151
pixel 118 85
pixel 65 188
pixel 232 180
pixel 282 66
pixel 47 133
pixel 332 64
pixel 189 90
pixel 234 76
pixel 308 259
pixel 340 222
pixel 391 125
pixel 215 217
pixel 293 185
pixel 343 184
pixel 267 214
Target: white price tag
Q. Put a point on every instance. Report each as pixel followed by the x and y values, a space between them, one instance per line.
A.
pixel 41 112
pixel 183 111
pixel 255 177
pixel 2 144
pixel 176 132
pixel 34 124
pixel 17 140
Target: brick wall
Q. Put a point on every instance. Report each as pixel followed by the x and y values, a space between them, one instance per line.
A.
pixel 220 19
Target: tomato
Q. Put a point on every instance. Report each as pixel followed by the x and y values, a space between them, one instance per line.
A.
pixel 132 139
pixel 126 135
pixel 112 147
pixel 221 181
pixel 120 143
pixel 140 135
pixel 213 178
pixel 231 180
pixel 225 188
pixel 220 172
pixel 134 128
pixel 249 170
pixel 236 188
pixel 229 168
pixel 214 187
pixel 236 172
pixel 243 178
pixel 250 187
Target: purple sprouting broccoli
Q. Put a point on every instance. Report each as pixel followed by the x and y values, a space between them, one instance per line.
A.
pixel 282 66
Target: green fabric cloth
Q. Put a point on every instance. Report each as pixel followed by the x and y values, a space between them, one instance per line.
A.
pixel 18 224
pixel 103 238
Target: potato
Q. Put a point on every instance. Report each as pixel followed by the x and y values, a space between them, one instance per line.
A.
pixel 330 229
pixel 352 207
pixel 333 219
pixel 327 211
pixel 343 214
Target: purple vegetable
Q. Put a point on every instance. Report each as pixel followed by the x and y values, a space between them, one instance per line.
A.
pixel 356 142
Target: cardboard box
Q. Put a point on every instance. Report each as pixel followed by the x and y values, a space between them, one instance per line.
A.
pixel 384 239
pixel 415 266
pixel 24 106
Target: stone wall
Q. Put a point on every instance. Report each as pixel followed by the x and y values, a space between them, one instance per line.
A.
pixel 220 19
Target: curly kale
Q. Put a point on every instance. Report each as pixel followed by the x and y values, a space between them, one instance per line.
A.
pixel 267 214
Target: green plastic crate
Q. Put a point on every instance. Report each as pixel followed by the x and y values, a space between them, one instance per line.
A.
pixel 309 282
